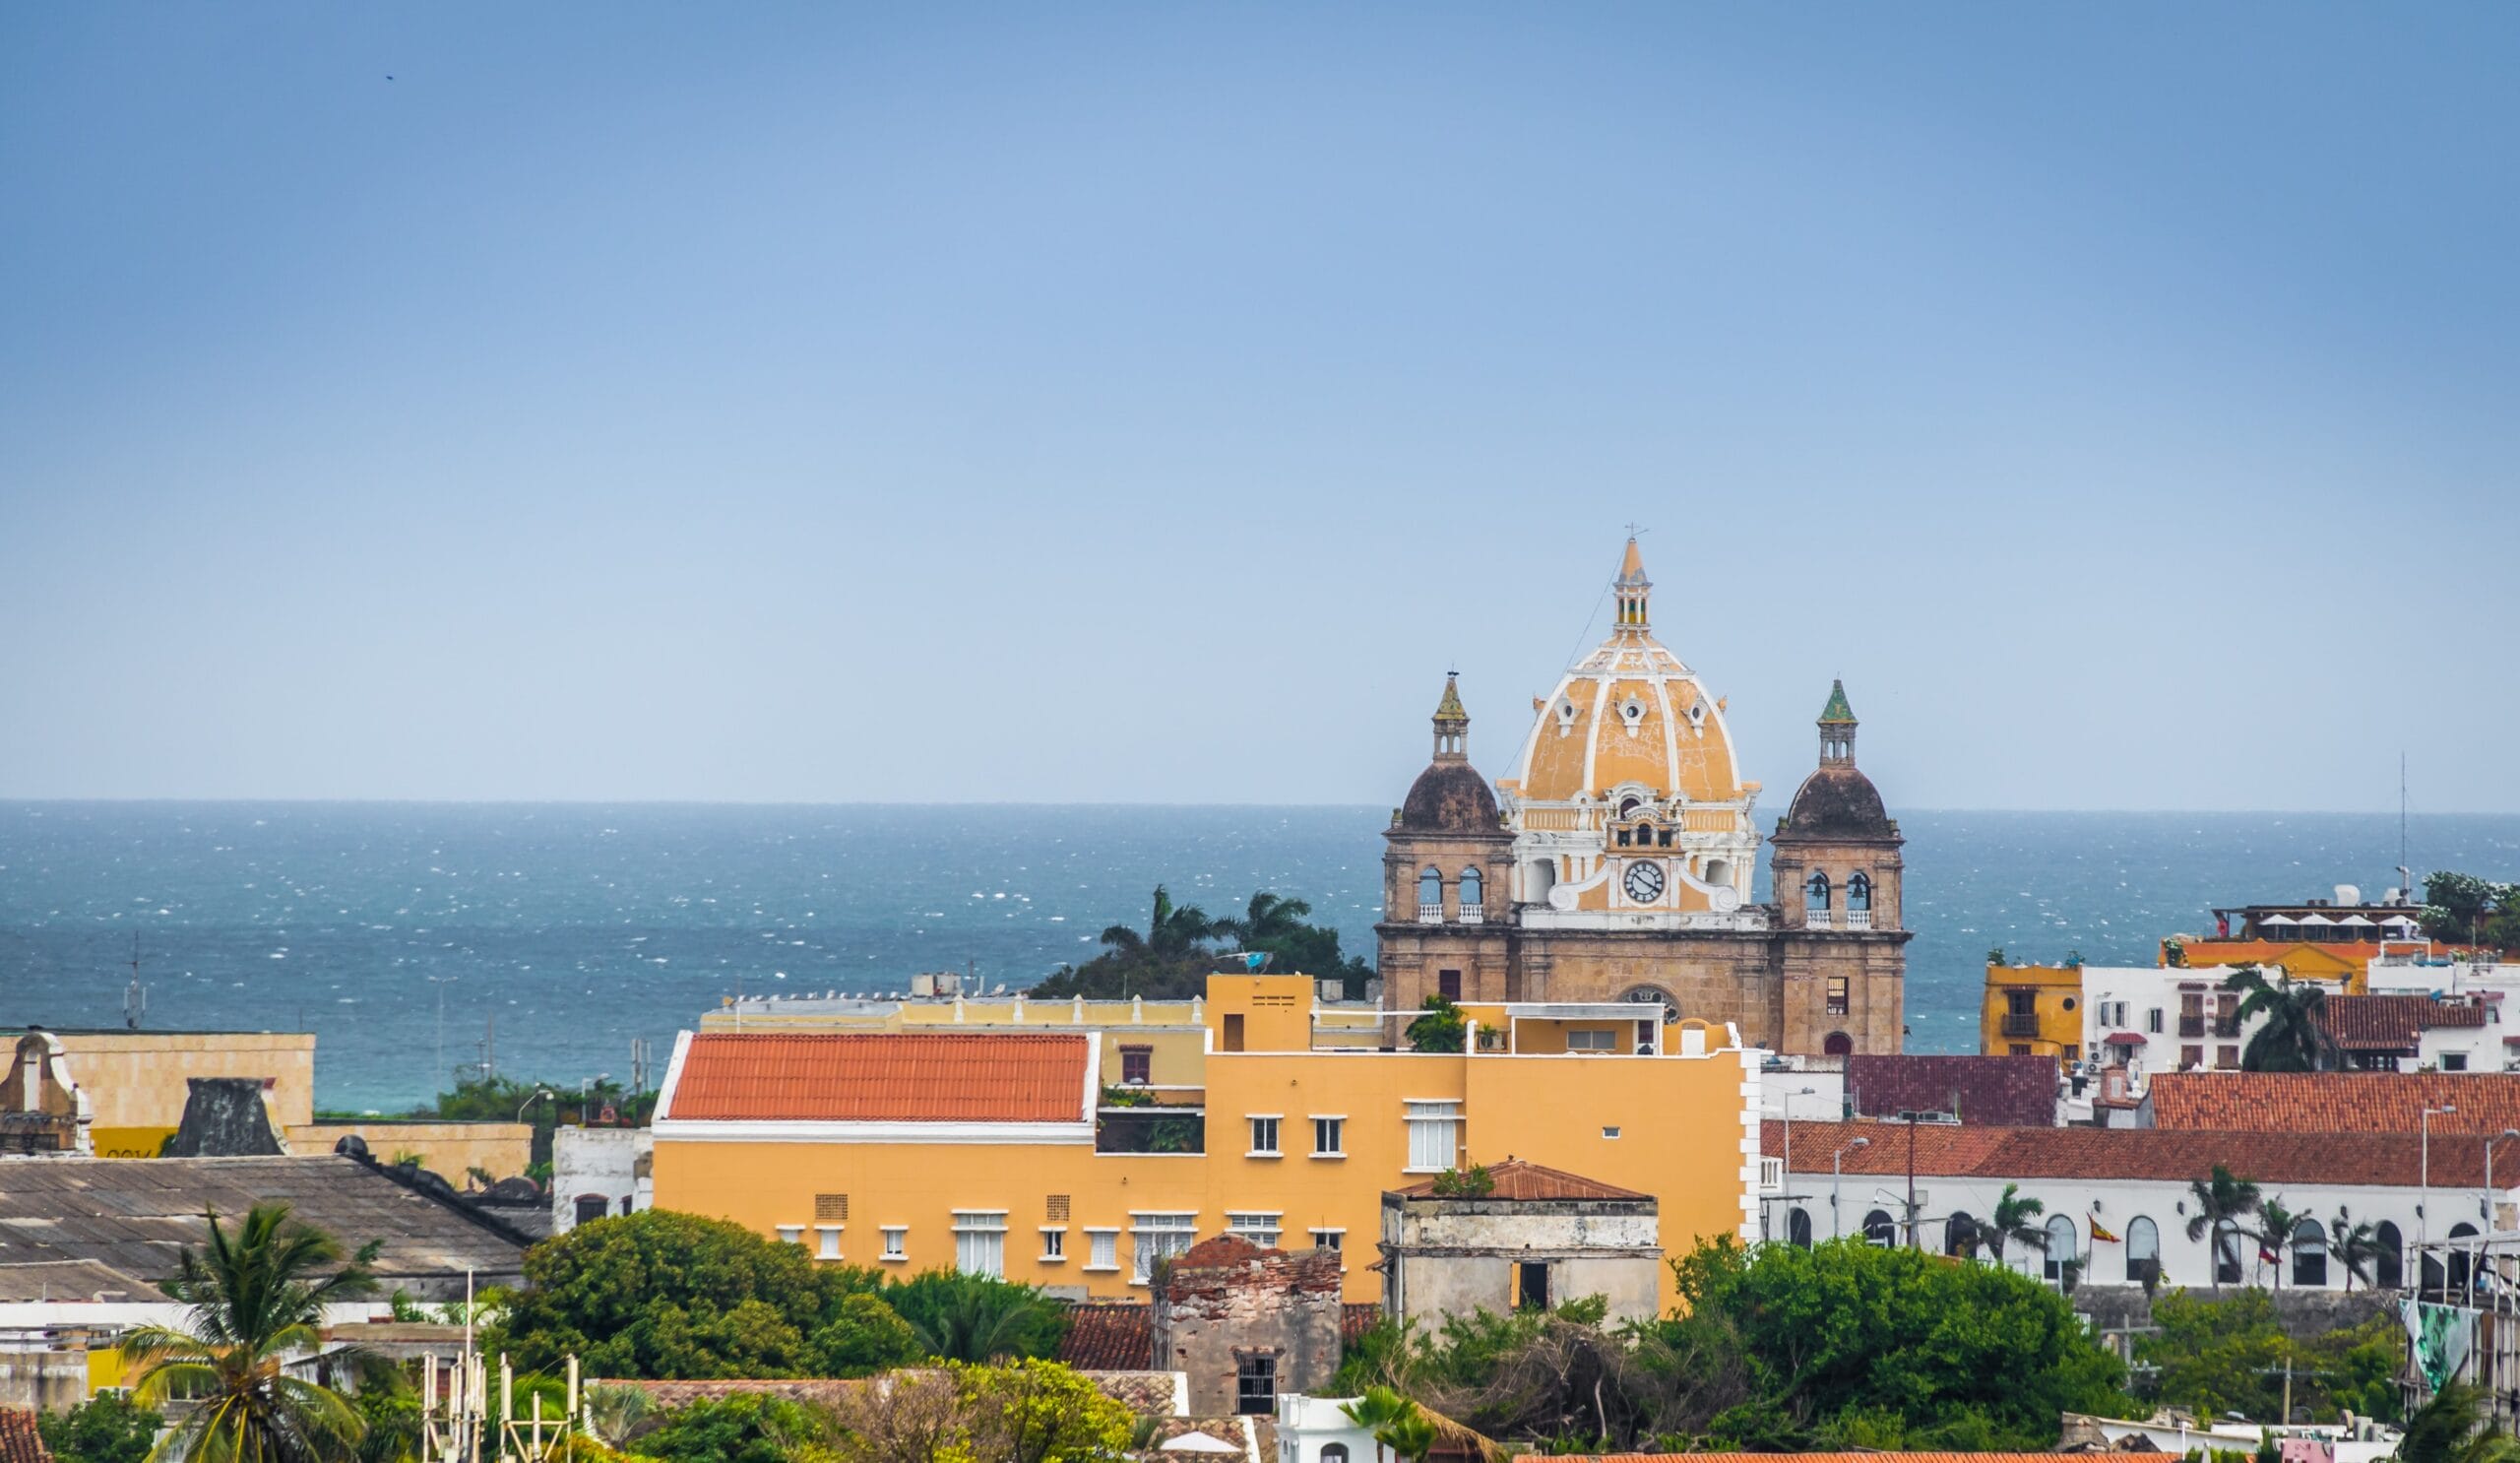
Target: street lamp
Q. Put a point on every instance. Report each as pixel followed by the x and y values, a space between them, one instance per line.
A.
pixel 1788 1151
pixel 2424 1191
pixel 1836 1172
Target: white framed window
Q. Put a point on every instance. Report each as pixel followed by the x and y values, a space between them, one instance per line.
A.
pixel 896 1241
pixel 1329 1240
pixel 980 1243
pixel 2153 1021
pixel 1264 1137
pixel 1434 1134
pixel 828 1248
pixel 1102 1250
pixel 1591 1040
pixel 1157 1237
pixel 1053 1245
pixel 1260 1227
pixel 792 1234
pixel 1329 1138
pixel 1609 1131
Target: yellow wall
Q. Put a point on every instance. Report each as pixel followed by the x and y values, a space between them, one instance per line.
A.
pixel 1274 1012
pixel 2058 1008
pixel 138 1079
pixel 1680 1124
pixel 2302 959
pixel 129 1142
pixel 447 1149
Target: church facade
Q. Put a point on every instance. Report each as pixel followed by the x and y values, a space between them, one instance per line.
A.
pixel 1618 861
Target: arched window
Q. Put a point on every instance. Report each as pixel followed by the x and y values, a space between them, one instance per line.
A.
pixel 1797 1227
pixel 1859 892
pixel 2143 1250
pixel 2065 1246
pixel 1879 1230
pixel 1815 891
pixel 1839 1044
pixel 1431 885
pixel 2388 1257
pixel 2227 1252
pixel 1470 888
pixel 1960 1235
pixel 2309 1254
pixel 2458 1279
pixel 1334 1452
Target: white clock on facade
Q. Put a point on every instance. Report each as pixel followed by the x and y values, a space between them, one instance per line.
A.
pixel 1644 882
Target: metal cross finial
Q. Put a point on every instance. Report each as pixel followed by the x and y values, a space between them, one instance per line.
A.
pixel 1635 528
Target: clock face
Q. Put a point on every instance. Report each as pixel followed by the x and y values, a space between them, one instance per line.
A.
pixel 1644 882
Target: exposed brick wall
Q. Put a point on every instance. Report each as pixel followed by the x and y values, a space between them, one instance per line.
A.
pixel 1227 1299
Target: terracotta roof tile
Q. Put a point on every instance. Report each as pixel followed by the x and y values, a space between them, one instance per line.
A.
pixel 882 1077
pixel 20 1442
pixel 2335 1101
pixel 2351 1160
pixel 1223 1250
pixel 2007 1091
pixel 2393 1023
pixel 1529 1183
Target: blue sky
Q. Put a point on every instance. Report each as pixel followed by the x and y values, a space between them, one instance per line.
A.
pixel 1151 403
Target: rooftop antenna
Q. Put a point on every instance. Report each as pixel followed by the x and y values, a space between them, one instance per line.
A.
pixel 135 998
pixel 2406 876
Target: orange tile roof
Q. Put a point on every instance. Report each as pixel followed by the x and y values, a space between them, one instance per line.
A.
pixel 1527 1183
pixel 881 1077
pixel 2346 1159
pixel 2392 1023
pixel 2336 1102
pixel 20 1442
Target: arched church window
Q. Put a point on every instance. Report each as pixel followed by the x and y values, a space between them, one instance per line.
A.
pixel 1859 892
pixel 1431 885
pixel 1470 887
pixel 1815 891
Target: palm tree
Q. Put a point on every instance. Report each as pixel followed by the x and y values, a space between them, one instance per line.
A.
pixel 1377 1410
pixel 2355 1245
pixel 1411 1437
pixel 1269 917
pixel 2275 1226
pixel 971 1319
pixel 2452 1427
pixel 1170 932
pixel 256 1293
pixel 2295 1038
pixel 2220 1199
pixel 2012 1223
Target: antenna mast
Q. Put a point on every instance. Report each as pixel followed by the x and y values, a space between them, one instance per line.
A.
pixel 135 1000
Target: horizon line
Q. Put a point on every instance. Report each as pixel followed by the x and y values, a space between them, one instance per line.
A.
pixel 7 799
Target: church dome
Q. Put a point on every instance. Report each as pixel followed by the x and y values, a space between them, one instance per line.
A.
pixel 1629 715
pixel 1837 800
pixel 1449 796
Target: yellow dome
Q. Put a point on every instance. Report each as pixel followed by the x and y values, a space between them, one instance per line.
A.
pixel 1629 715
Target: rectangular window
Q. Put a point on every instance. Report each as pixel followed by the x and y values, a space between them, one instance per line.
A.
pixel 1591 1040
pixel 2227 1058
pixel 829 1250
pixel 896 1241
pixel 2454 1061
pixel 1053 1244
pixel 1102 1250
pixel 792 1234
pixel 2021 1003
pixel 1531 1284
pixel 1159 1237
pixel 1264 1137
pixel 1448 984
pixel 1329 1137
pixel 980 1243
pixel 1255 1386
pixel 1234 1031
pixel 1261 1229
pixel 1837 995
pixel 2153 1021
pixel 1610 1132
pixel 2073 1052
pixel 2021 1048
pixel 2191 1058
pixel 1329 1240
pixel 1434 1136
pixel 1137 1066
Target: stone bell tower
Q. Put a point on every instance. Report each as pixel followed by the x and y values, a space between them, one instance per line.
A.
pixel 1837 868
pixel 1447 860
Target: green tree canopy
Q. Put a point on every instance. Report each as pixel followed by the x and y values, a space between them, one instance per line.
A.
pixel 1848 1335
pixel 2461 909
pixel 2293 1037
pixel 663 1295
pixel 108 1428
pixel 740 1427
pixel 973 1318
pixel 2213 1357
pixel 1173 956
pixel 1442 1029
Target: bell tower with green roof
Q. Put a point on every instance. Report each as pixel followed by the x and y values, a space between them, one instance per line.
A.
pixel 1837 728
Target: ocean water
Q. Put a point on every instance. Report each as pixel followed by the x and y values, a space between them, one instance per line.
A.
pixel 570 930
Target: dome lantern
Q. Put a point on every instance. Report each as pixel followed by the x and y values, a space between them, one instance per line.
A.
pixel 1633 589
pixel 1452 723
pixel 1837 728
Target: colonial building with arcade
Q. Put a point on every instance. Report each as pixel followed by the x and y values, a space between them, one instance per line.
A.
pixel 1618 863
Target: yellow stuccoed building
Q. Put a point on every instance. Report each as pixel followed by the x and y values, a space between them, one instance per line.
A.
pixel 1026 1152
